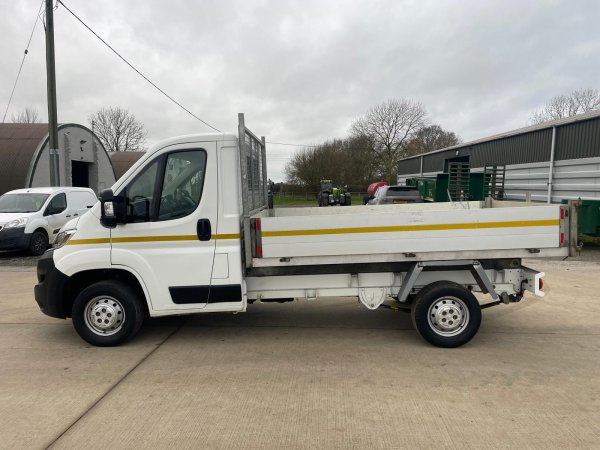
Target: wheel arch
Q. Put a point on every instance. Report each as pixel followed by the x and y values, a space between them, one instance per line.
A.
pixel 42 229
pixel 36 222
pixel 81 280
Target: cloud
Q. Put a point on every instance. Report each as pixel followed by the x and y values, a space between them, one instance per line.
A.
pixel 303 70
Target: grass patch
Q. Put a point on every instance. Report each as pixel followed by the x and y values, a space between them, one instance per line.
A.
pixel 294 200
pixel 589 241
pixel 307 200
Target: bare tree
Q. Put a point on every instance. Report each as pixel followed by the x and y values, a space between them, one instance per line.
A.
pixel 118 129
pixel 345 161
pixel 308 166
pixel 430 138
pixel 578 102
pixel 28 115
pixel 388 126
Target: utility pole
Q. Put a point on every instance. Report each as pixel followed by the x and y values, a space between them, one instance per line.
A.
pixel 51 83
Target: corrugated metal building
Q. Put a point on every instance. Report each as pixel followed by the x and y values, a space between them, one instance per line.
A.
pixel 25 157
pixel 560 156
pixel 122 161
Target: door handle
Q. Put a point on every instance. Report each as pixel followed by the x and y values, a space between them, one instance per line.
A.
pixel 68 215
pixel 203 229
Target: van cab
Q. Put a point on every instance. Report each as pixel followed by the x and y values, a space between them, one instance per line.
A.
pixel 30 219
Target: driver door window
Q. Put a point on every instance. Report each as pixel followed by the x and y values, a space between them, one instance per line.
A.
pixel 140 195
pixel 182 184
pixel 58 204
pixel 178 178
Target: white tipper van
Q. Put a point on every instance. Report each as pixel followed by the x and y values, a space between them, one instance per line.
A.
pixel 188 230
pixel 30 219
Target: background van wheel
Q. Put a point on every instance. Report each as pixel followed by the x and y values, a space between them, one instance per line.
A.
pixel 446 314
pixel 38 243
pixel 107 313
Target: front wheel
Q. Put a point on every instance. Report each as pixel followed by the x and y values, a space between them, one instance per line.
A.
pixel 446 314
pixel 107 313
pixel 38 243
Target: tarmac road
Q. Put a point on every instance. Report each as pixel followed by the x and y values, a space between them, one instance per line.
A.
pixel 322 374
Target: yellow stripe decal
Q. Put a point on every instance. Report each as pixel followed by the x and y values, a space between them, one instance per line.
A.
pixel 228 236
pixel 88 241
pixel 386 229
pixel 400 228
pixel 131 239
pixel 191 237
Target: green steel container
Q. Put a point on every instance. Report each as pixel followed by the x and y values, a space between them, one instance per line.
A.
pixel 589 217
pixel 436 189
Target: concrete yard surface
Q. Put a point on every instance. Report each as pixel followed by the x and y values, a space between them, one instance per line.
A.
pixel 319 374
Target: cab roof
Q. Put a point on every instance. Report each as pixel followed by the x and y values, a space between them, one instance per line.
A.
pixel 192 138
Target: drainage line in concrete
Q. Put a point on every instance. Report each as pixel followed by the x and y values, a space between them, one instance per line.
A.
pixel 116 384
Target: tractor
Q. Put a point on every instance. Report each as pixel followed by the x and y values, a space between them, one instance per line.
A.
pixel 329 195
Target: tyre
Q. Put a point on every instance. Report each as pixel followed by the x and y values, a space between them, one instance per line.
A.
pixel 446 314
pixel 38 243
pixel 107 313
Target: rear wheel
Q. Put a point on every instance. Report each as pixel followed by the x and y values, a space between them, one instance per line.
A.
pixel 107 313
pixel 446 314
pixel 324 200
pixel 38 243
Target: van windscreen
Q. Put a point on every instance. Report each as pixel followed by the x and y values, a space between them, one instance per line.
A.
pixel 22 203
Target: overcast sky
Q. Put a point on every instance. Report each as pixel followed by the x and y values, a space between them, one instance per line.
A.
pixel 303 70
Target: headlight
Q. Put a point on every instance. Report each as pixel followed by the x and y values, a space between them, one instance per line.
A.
pixel 63 237
pixel 16 223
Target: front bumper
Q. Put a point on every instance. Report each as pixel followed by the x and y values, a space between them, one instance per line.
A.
pixel 14 238
pixel 51 288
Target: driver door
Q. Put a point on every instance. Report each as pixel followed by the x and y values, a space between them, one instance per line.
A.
pixel 171 219
pixel 56 214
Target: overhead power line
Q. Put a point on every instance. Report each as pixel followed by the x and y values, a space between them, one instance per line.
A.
pixel 37 17
pixel 153 84
pixel 136 70
pixel 293 145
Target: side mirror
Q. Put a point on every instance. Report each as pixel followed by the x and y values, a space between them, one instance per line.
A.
pixel 110 209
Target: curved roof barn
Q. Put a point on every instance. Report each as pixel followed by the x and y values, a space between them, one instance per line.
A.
pixel 122 161
pixel 25 157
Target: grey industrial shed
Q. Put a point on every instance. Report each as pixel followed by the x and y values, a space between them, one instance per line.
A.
pixel 25 162
pixel 559 159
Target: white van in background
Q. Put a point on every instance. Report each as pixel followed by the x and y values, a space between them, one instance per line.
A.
pixel 31 218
